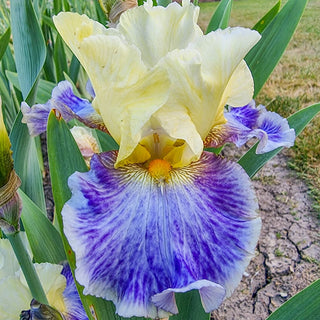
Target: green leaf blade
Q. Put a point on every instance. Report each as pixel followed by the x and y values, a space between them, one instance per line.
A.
pixel 267 18
pixel 265 55
pixel 4 41
pixel 221 16
pixel 44 239
pixel 190 307
pixel 303 306
pixel 28 43
pixel 26 163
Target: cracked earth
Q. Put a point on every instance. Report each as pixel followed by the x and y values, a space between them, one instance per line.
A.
pixel 287 256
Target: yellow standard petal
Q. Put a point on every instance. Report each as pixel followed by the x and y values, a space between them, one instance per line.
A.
pixel 223 68
pixel 158 30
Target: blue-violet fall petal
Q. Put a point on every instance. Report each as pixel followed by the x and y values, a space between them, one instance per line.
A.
pixel 138 240
pixel 75 310
pixel 249 121
pixel 67 104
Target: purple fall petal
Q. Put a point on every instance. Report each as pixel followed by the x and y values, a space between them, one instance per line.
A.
pixel 71 297
pixel 138 240
pixel 244 123
pixel 67 103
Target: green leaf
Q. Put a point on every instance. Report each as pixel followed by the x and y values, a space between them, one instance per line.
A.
pixel 74 69
pixel 57 6
pixel 4 41
pixel 266 19
pixel 220 18
pixel 26 162
pixel 107 143
pixel 64 159
pixel 252 162
pixel 44 239
pixel 164 3
pixel 60 58
pixel 44 87
pixel 305 305
pixel 28 43
pixel 190 307
pixel 265 55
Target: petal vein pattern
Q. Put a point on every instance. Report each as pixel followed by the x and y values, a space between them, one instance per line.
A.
pixel 138 239
pixel 244 123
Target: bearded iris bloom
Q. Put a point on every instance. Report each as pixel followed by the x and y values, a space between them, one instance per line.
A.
pixel 160 215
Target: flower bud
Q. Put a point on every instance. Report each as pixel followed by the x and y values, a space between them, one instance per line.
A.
pixel 87 144
pixel 10 202
pixel 40 311
pixel 114 9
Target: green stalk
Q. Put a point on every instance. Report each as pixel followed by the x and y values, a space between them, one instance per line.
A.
pixel 27 267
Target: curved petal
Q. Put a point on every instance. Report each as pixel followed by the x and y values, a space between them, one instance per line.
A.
pixel 249 121
pixel 276 131
pixel 224 70
pixel 14 297
pixel 129 110
pixel 106 56
pixel 158 30
pixel 211 73
pixel 67 104
pixel 176 124
pixel 52 281
pixel 135 236
pixel 75 310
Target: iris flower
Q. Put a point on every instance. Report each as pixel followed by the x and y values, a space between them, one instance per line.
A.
pixel 56 280
pixel 161 215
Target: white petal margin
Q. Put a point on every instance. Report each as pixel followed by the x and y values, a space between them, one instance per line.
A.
pixel 158 30
pixel 135 237
pixel 211 295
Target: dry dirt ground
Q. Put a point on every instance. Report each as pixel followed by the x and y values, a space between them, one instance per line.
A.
pixel 288 253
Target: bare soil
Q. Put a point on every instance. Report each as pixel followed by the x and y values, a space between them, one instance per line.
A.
pixel 288 253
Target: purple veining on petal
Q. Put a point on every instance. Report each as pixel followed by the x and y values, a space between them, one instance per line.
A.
pixel 36 117
pixel 135 238
pixel 90 89
pixel 75 310
pixel 67 103
pixel 244 123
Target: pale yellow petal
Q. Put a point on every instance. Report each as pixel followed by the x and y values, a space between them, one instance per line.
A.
pixel 189 89
pixel 14 297
pixel 53 283
pixel 240 87
pixel 158 30
pixel 176 123
pixel 211 73
pixel 74 27
pixel 9 264
pixel 107 58
pixel 126 111
pixel 222 51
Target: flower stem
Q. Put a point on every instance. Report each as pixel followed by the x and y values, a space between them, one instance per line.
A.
pixel 27 267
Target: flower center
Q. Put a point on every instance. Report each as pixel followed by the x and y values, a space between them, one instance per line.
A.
pixel 159 169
